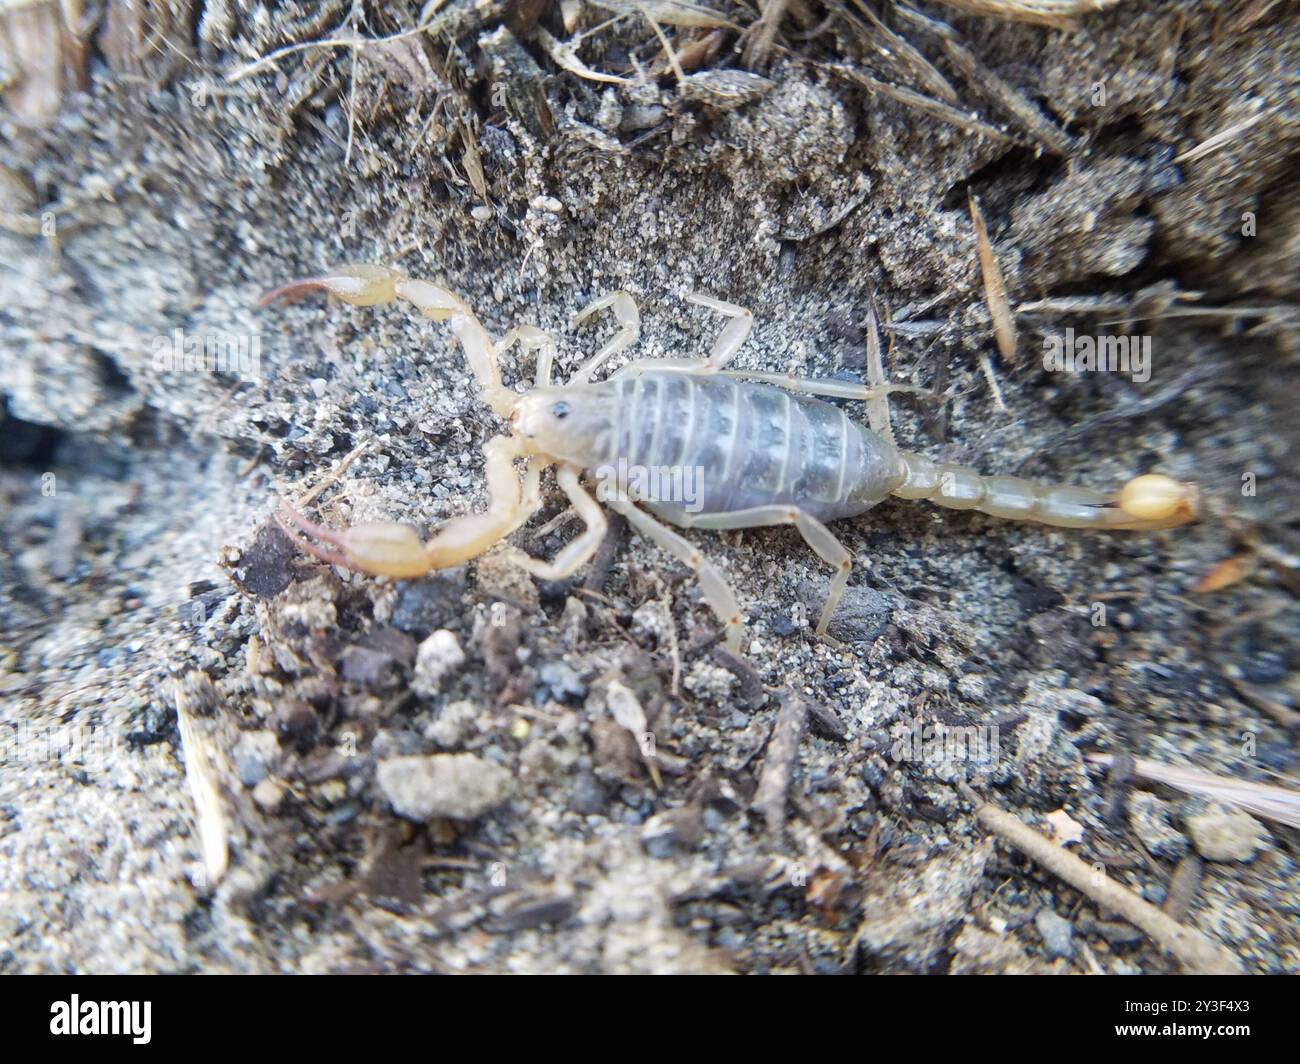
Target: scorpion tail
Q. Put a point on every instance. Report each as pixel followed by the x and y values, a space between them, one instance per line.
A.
pixel 1145 503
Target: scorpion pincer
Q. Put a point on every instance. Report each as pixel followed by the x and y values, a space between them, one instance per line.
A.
pixel 770 453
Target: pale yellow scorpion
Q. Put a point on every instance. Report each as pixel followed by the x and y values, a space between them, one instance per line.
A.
pixel 771 454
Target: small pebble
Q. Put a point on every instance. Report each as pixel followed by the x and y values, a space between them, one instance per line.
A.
pixel 1148 816
pixel 438 657
pixel 455 786
pixel 253 755
pixel 1226 835
pixel 1057 933
pixel 783 626
pixel 560 682
pixel 453 725
pixel 674 829
pixel 1265 667
pixel 588 796
pixel 268 795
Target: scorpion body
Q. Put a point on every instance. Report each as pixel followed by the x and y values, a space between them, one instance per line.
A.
pixel 754 444
pixel 767 451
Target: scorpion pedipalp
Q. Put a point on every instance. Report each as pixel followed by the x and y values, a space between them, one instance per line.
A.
pixel 365 285
pixel 386 548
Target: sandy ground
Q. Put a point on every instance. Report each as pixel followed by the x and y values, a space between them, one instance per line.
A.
pixel 388 798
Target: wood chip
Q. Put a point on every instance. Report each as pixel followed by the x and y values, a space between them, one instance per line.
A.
pixel 779 762
pixel 1228 572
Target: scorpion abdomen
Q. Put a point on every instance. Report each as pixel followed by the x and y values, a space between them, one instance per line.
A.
pixel 748 444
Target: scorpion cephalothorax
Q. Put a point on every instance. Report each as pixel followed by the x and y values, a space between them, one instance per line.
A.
pixel 770 453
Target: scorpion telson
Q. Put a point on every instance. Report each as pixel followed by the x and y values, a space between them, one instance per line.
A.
pixel 772 453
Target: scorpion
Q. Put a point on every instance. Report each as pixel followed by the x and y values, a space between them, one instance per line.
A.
pixel 772 451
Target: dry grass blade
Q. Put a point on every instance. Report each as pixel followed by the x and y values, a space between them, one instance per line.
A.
pixel 877 406
pixel 433 21
pixel 671 13
pixel 1061 13
pixel 202 779
pixel 935 108
pixel 565 53
pixel 762 34
pixel 1279 804
pixel 1005 95
pixel 995 289
pixel 1221 139
pixel 33 38
pixel 778 765
pixel 895 46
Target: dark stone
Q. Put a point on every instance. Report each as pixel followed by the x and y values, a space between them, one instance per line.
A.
pixel 422 606
pixel 860 617
pixel 156 725
pixel 265 567
pixel 783 626
pixel 1264 667
pixel 393 642
pixel 370 668
pixel 588 797
pixel 297 723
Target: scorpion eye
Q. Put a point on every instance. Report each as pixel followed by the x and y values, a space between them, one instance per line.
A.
pixel 560 411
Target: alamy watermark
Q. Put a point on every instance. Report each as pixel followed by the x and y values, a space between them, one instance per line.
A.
pixel 132 1019
pixel 624 481
pixel 1098 354
pixel 234 354
pixel 935 742
pixel 26 743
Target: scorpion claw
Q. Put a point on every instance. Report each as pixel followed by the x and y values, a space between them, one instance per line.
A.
pixel 293 524
pixel 361 285
pixel 381 548
pixel 290 292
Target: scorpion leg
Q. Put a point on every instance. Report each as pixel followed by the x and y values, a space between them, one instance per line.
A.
pixel 717 593
pixel 724 348
pixel 733 334
pixel 629 329
pixel 385 548
pixel 368 285
pixel 579 552
pixel 822 386
pixel 530 338
pixel 815 534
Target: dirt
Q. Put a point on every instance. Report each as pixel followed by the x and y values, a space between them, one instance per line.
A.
pixel 580 763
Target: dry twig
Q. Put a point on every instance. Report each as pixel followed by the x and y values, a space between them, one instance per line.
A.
pixel 1198 954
